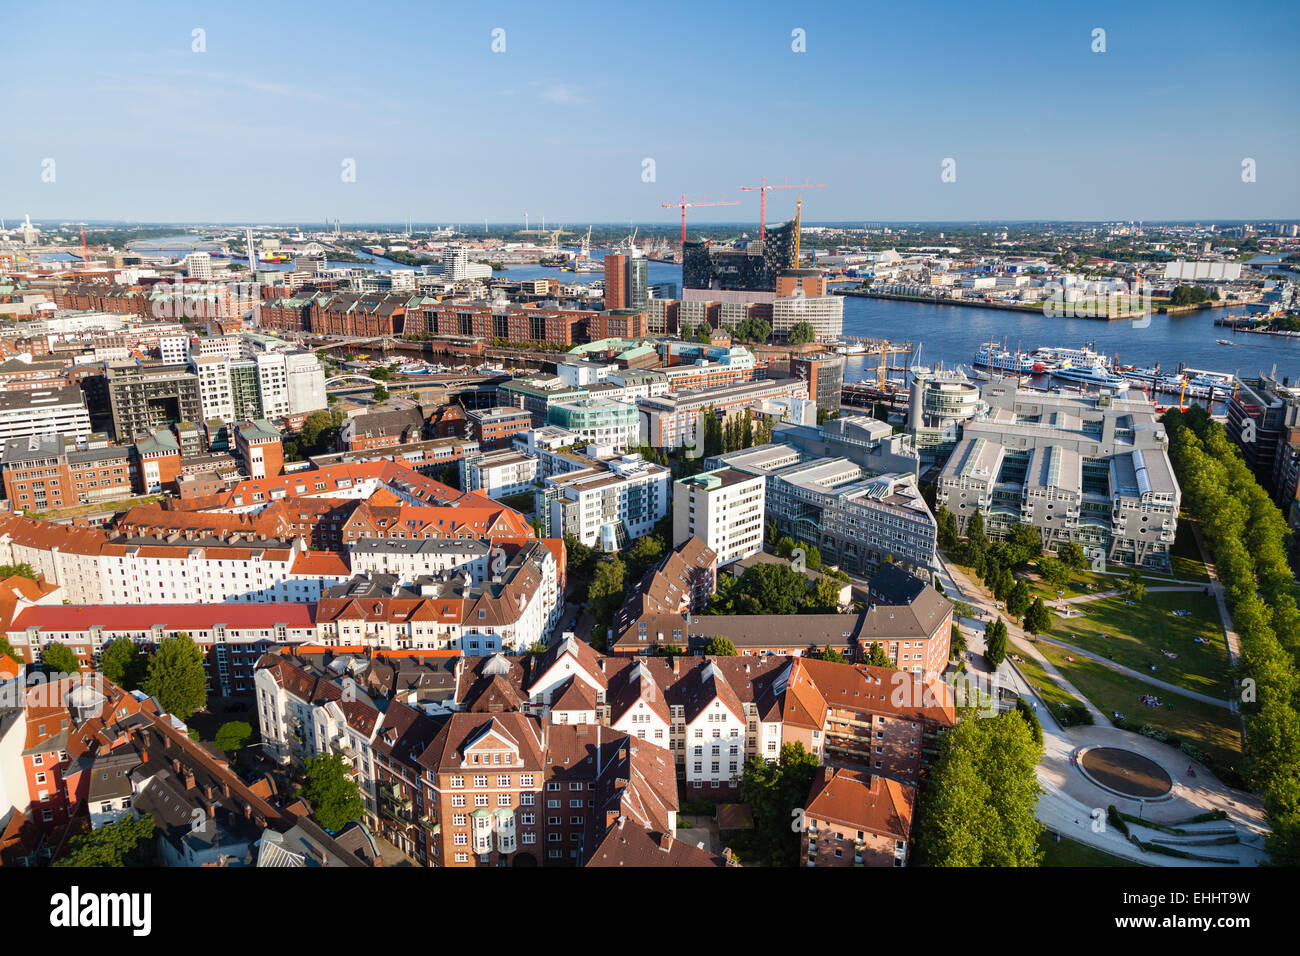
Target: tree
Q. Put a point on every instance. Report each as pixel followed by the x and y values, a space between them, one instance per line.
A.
pixel 1037 618
pixel 831 654
pixel 947 528
pixel 877 657
pixel 381 393
pixel 812 558
pixel 128 842
pixel 720 647
pixel 1054 572
pixel 7 649
pixel 774 791
pixel 605 592
pixel 978 807
pixel 645 551
pixel 1074 557
pixel 995 642
pixel 823 597
pixel 176 676
pixel 123 663
pixel 232 735
pixel 801 333
pixel 785 546
pixel 1133 587
pixel 334 796
pixel 1018 599
pixel 59 659
pixel 23 570
pixel 774 588
pixel 380 373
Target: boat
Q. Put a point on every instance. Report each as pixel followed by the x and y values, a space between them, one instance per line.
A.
pixel 994 356
pixel 1223 342
pixel 588 265
pixel 1090 375
pixel 851 350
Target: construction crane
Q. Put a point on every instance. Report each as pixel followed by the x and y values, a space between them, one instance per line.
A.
pixel 684 205
pixel 763 189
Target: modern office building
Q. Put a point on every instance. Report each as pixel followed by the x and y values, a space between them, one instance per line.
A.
pixel 601 421
pixel 825 313
pixel 724 509
pixel 940 403
pixel 676 420
pixel 824 373
pixel 854 520
pixel 607 505
pixel 499 474
pixel 1085 469
pixel 750 266
pixel 58 410
pixel 143 397
pixel 626 281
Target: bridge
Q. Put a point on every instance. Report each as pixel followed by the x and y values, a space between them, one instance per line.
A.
pixel 355 376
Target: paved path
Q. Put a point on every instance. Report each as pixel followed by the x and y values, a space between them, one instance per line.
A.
pixel 1085 598
pixel 1070 802
pixel 1234 642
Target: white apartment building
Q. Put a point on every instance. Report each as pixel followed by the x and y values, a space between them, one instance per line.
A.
pixel 198 265
pixel 273 384
pixel 43 411
pixel 305 381
pixel 608 505
pixel 216 397
pixel 825 313
pixel 410 558
pixel 724 509
pixel 499 474
pixel 175 349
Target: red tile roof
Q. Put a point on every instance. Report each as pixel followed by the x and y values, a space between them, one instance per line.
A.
pixel 171 617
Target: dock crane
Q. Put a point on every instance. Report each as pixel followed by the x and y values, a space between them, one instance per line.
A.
pixel 763 189
pixel 684 205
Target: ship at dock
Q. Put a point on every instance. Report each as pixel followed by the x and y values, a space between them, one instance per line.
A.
pixel 992 355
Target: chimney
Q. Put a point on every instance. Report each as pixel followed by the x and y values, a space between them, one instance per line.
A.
pixel 665 842
pixel 677 663
pixel 189 779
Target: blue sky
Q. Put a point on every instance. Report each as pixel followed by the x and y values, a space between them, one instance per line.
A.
pixel 257 127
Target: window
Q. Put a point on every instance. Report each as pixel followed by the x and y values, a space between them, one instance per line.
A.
pixel 503 799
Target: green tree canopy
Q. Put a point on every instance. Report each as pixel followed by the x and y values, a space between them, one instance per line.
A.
pixel 877 657
pixel 774 792
pixel 978 807
pixel 801 333
pixel 128 842
pixel 1038 619
pixel 232 735
pixel 176 676
pixel 720 647
pixel 58 659
pixel 334 796
pixel 995 642
pixel 123 663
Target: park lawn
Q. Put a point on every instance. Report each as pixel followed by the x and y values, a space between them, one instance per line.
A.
pixel 1135 635
pixel 1214 730
pixel 1056 698
pixel 1186 556
pixel 1067 852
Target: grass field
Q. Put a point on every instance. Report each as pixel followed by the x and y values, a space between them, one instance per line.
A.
pixel 1214 730
pixel 1057 700
pixel 1067 852
pixel 1186 556
pixel 1135 634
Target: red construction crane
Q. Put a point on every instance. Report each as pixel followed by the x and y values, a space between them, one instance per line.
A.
pixel 684 205
pixel 763 189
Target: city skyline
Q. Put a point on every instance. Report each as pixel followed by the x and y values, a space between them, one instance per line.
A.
pixel 239 125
